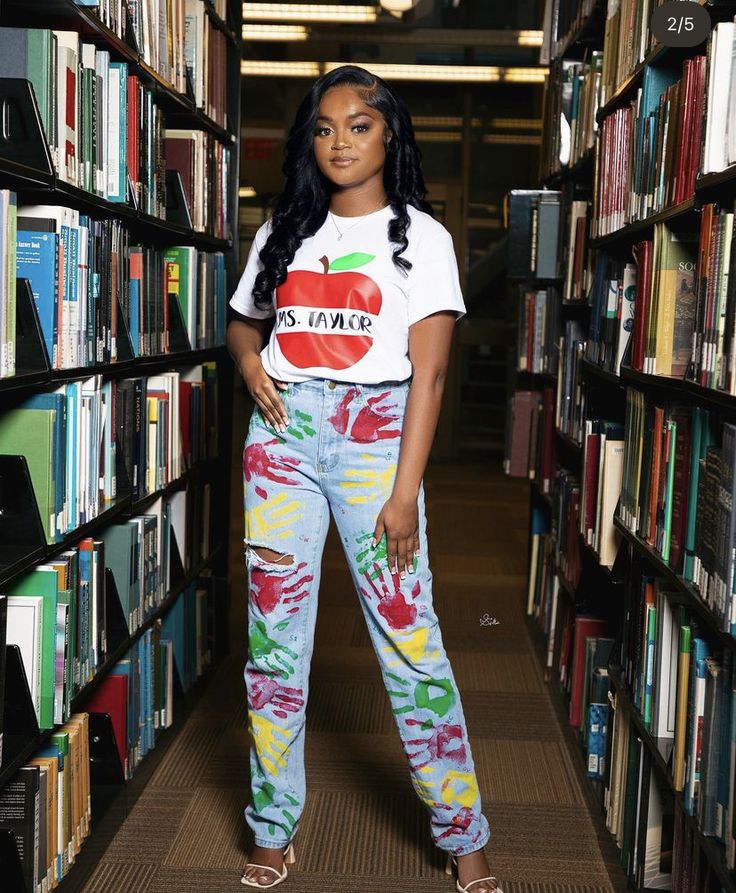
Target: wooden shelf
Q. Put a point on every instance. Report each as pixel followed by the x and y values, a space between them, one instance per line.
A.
pixel 631 230
pixel 689 593
pixel 680 389
pixel 8 770
pixel 65 13
pixel 595 371
pixel 660 751
pixel 586 32
pixel 583 166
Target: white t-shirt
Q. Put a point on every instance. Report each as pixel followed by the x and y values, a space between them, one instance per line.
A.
pixel 344 310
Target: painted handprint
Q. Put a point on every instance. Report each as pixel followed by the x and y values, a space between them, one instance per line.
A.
pixel 423 697
pixel 264 689
pixel 273 519
pixel 258 463
pixel 264 796
pixel 370 423
pixel 371 484
pixel 393 604
pixel 263 647
pixel 444 743
pixel 300 426
pixel 371 561
pixel 269 589
pixel 271 742
pixel 461 821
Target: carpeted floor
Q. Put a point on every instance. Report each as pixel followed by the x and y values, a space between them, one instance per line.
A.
pixel 363 828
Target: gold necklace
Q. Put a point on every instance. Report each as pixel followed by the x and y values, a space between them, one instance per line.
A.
pixel 341 232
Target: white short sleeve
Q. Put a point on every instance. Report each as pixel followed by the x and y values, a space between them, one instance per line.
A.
pixel 242 299
pixel 434 280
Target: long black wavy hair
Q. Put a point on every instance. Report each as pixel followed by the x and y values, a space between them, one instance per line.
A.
pixel 302 207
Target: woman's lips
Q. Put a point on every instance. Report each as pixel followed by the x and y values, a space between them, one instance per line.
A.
pixel 342 161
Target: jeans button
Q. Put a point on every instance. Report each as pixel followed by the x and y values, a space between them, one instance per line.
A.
pixel 331 385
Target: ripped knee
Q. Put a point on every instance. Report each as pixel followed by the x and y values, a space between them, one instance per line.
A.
pixel 270 556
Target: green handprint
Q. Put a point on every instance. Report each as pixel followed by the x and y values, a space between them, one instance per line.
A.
pixel 371 560
pixel 299 428
pixel 261 645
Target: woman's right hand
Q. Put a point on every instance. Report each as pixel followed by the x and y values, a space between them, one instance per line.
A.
pixel 262 389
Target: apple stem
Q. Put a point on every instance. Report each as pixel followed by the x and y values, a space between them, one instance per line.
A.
pixel 324 260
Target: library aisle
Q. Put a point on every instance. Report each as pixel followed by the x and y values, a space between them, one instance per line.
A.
pixel 186 832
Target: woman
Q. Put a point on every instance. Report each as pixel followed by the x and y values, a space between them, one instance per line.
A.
pixel 366 294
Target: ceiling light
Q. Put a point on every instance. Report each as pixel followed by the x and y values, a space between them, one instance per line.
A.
pixel 280 69
pixel 439 136
pixel 468 74
pixel 308 12
pixel 275 32
pixel 461 74
pixel 246 192
pixel 512 139
pixel 436 121
pixel 530 38
pixel 398 7
pixel 516 123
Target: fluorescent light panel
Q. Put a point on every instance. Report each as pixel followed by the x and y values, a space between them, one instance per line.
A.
pixel 275 32
pixel 308 12
pixel 467 74
pixel 246 192
pixel 257 68
pixel 455 122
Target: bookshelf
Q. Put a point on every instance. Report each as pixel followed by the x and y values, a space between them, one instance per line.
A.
pixel 185 575
pixel 636 790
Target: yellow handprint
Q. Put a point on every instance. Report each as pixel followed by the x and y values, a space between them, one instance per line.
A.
pixel 378 484
pixel 270 747
pixel 412 646
pixel 459 787
pixel 273 519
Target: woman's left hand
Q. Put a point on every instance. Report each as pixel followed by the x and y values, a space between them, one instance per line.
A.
pixel 399 520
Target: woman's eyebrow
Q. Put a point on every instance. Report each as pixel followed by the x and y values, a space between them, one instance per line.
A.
pixel 350 116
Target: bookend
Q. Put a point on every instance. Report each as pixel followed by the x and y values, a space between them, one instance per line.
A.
pixel 13 880
pixel 20 725
pixel 190 85
pixel 107 779
pixel 177 574
pixel 178 336
pixel 30 348
pixel 177 206
pixel 124 342
pixel 22 139
pixel 117 627
pixel 132 195
pixel 21 533
pixel 130 39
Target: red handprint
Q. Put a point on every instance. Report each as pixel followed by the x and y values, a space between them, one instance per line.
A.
pixel 263 689
pixel 369 425
pixel 445 743
pixel 268 589
pixel 394 606
pixel 258 462
pixel 341 416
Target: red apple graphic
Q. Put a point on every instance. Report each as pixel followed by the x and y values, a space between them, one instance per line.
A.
pixel 348 295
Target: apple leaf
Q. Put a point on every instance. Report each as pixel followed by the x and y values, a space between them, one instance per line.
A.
pixel 351 261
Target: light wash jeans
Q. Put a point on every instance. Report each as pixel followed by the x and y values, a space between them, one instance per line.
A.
pixel 340 452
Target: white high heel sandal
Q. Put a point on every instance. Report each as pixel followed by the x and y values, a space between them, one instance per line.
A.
pixel 289 858
pixel 451 860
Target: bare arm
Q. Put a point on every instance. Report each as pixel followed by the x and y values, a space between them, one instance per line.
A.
pixel 245 339
pixel 429 351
